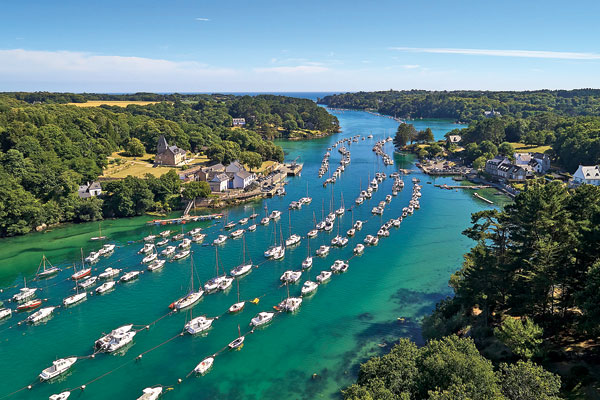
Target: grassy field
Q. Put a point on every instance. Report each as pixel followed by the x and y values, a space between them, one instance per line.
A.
pixel 120 103
pixel 525 148
pixel 140 166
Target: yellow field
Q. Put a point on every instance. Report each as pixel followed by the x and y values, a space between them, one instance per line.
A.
pixel 120 103
pixel 140 166
pixel 525 148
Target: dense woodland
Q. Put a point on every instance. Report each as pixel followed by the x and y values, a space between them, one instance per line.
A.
pixel 48 149
pixel 466 105
pixel 527 291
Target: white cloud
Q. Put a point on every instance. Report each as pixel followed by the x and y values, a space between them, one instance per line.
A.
pixel 503 53
pixel 202 19
pixel 410 66
pixel 303 69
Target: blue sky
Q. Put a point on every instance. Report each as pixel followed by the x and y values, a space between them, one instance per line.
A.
pixel 192 46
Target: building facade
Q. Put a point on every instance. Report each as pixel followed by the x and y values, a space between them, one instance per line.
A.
pixel 168 155
pixel 589 175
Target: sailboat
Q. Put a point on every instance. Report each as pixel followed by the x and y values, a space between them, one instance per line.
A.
pixel 341 210
pixel 275 249
pixel 307 199
pixel 237 343
pixel 352 231
pixel 308 261
pixel 243 268
pixel 99 237
pixel 192 297
pixel 76 298
pixel 25 293
pixel 293 239
pixel 239 306
pixel 83 272
pixel 314 232
pixel 46 272
pixel 214 283
pixel 290 304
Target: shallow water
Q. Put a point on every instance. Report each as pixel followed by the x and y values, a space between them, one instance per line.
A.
pixel 353 316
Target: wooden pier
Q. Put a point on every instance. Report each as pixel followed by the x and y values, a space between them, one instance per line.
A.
pixel 477 195
pixel 185 219
pixel 292 169
pixel 476 187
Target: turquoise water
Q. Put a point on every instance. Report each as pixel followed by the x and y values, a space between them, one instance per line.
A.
pixel 350 318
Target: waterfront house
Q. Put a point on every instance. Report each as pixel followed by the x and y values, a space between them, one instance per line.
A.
pixel 242 179
pixel 89 190
pixel 168 155
pixel 239 122
pixel 589 175
pixel 207 173
pixel 501 167
pixel 535 162
pixel 491 114
pixel 234 167
pixel 219 182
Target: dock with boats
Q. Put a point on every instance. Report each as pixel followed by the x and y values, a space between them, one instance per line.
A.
pixel 185 219
pixel 475 187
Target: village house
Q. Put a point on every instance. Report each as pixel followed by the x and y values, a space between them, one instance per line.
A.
pixel 501 167
pixel 491 114
pixel 168 155
pixel 241 179
pixel 219 182
pixel 221 178
pixel 239 122
pixel 589 175
pixel 89 190
pixel 534 162
pixel 454 139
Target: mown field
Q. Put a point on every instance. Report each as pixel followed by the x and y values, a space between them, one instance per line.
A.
pixel 120 103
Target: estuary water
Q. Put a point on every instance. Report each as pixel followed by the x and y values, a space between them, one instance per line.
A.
pixel 310 354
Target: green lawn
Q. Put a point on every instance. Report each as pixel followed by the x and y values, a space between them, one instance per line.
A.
pixel 525 148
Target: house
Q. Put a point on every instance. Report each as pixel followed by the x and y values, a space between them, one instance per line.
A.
pixel 207 173
pixel 454 139
pixel 501 167
pixel 235 166
pixel 535 162
pixel 89 190
pixel 491 114
pixel 168 155
pixel 239 121
pixel 587 175
pixel 242 179
pixel 219 182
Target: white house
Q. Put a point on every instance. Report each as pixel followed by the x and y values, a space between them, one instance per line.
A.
pixel 239 121
pixel 242 179
pixel 234 167
pixel 588 175
pixel 89 190
pixel 535 162
pixel 219 183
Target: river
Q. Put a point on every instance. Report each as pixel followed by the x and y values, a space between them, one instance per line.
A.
pixel 311 354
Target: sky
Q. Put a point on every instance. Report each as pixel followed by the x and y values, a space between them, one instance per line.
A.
pixel 277 46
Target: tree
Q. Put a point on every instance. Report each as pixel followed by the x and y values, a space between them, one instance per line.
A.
pixel 404 134
pixel 528 381
pixel 506 149
pixel 479 163
pixel 251 159
pixel 290 125
pixel 425 136
pixel 589 299
pixel 522 337
pixel 195 189
pixel 135 148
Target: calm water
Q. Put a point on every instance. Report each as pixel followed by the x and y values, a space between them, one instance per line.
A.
pixel 353 316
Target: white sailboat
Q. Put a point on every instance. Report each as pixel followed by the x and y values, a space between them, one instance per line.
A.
pixel 40 315
pixel 204 365
pixel 244 268
pixel 213 283
pixel 46 272
pixel 76 298
pixel 237 343
pixel 192 297
pixel 239 306
pixel 24 293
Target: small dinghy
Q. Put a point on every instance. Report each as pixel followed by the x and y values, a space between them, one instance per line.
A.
pixel 60 396
pixel 40 315
pixel 130 276
pixel 105 287
pixel 109 273
pixel 198 324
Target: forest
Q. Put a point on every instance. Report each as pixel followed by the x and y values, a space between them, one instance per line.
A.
pixel 525 302
pixel 47 149
pixel 465 106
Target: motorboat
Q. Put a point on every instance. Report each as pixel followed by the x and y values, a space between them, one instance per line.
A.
pixel 280 191
pixel 225 283
pixel 149 238
pixel 162 242
pixel 165 233
pixel 388 198
pixel 40 315
pixel 309 287
pixel 237 234
pixel 131 275
pixel 194 232
pixel 89 282
pixel 119 340
pixel 270 252
pixel 198 324
pixel 178 237
pixel 265 221
pixel 323 251
pixel 252 228
pixel 359 249
pixel 339 266
pixel 107 249
pixel 150 393
pixel 262 318
pixel 279 253
pixel 229 225
pixel 57 368
pixel 275 214
pixel 29 305
pixel 149 258
pixel 148 247
pixel 105 287
pixel 359 201
pixel 60 396
pixel 220 240
pixel 213 284
pixel 290 304
pixel 320 225
pixel 102 343
pixel 185 243
pixel 204 365
pixel 313 233
pixel 383 233
pixel 156 265
pixel 198 238
pixel 241 270
pixel 5 313
pixel 92 257
pixel 397 222
pixel 181 255
pixel 358 225
pixel 368 239
pixel 343 241
pixel 336 240
pixel 169 251
pixel 292 240
pixel 243 221
pixel 237 307
pixel 307 263
pixel 109 273
pixel 74 299
pixel 290 276
pixel 351 232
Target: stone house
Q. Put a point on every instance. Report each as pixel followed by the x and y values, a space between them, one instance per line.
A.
pixel 89 190
pixel 168 155
pixel 501 167
pixel 535 162
pixel 219 182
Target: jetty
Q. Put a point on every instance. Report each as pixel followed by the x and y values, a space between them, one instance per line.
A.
pixel 477 195
pixel 450 187
pixel 185 219
pixel 291 169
